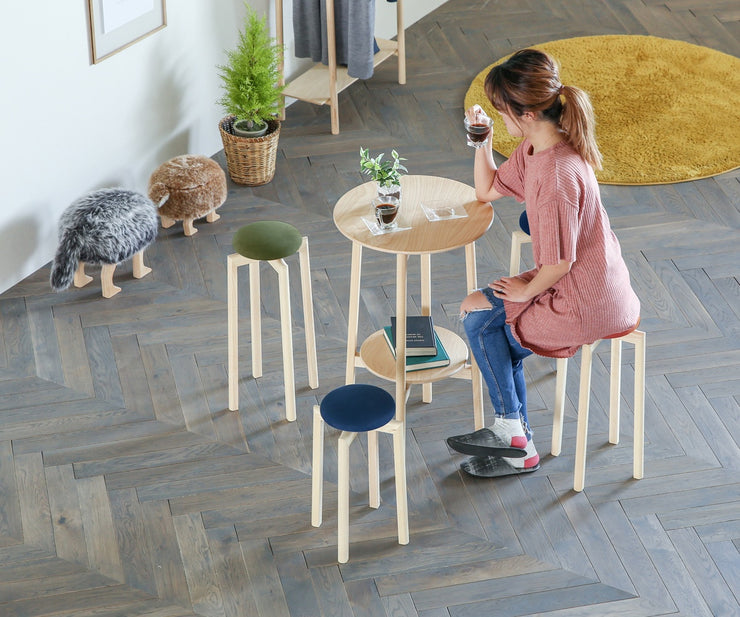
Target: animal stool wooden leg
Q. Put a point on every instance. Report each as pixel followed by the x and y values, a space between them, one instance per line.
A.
pixel 167 222
pixel 106 280
pixel 188 227
pixel 81 279
pixel 140 269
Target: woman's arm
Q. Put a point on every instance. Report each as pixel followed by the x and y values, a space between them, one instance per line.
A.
pixel 516 290
pixel 484 172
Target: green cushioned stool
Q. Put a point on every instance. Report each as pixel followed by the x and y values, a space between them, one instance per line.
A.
pixel 269 241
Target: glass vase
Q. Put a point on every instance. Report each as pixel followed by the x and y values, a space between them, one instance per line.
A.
pixel 389 190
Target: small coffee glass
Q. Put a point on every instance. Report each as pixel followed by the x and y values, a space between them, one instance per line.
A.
pixel 386 210
pixel 478 130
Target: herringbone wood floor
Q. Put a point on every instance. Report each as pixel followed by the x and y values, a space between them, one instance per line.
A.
pixel 127 489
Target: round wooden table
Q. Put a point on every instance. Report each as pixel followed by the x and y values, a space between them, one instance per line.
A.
pixel 416 235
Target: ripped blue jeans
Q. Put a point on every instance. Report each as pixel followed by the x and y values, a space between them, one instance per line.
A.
pixel 499 357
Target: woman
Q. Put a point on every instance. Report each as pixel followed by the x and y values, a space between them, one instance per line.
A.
pixel 579 290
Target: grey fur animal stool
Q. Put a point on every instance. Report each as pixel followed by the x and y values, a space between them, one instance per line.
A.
pixel 186 188
pixel 103 227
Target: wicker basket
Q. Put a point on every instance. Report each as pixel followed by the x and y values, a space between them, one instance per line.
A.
pixel 250 160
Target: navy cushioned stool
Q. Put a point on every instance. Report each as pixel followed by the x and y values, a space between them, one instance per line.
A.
pixel 269 241
pixel 353 409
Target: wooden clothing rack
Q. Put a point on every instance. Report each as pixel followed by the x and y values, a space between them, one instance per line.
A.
pixel 322 84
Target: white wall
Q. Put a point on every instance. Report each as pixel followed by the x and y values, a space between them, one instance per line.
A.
pixel 68 126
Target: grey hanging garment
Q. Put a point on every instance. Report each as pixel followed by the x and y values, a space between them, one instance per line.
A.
pixel 354 22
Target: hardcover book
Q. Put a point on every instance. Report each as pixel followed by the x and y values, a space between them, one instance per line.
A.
pixel 418 363
pixel 419 335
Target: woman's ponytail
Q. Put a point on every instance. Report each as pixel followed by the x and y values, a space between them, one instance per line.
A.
pixel 578 124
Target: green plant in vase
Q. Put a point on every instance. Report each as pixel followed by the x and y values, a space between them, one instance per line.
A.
pixel 386 173
pixel 250 78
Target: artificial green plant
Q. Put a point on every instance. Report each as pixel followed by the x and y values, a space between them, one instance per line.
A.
pixel 385 172
pixel 251 75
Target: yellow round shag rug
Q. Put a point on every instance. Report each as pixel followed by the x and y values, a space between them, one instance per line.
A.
pixel 666 111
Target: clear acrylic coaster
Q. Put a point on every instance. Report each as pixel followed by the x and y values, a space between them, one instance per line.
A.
pixel 441 211
pixel 376 230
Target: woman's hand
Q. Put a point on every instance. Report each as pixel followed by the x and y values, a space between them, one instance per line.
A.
pixel 515 289
pixel 475 113
pixel 510 288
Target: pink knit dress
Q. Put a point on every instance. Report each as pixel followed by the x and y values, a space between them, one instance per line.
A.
pixel 567 221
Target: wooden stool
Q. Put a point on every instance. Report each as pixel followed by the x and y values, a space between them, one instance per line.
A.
pixel 269 241
pixel 352 409
pixel 186 188
pixel 104 227
pixel 634 336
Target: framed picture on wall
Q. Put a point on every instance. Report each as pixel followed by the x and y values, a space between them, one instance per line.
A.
pixel 117 24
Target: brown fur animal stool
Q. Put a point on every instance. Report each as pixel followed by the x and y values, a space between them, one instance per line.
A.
pixel 186 188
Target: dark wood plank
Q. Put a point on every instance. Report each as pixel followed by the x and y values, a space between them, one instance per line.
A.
pixel 11 524
pixel 66 515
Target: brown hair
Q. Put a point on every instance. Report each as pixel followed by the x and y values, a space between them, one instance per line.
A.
pixel 529 81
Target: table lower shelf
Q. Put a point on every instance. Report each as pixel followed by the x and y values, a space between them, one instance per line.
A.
pixel 377 358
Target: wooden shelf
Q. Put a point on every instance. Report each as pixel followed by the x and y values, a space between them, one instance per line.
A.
pixel 321 84
pixel 314 85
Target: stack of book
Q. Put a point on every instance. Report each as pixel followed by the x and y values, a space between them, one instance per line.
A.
pixel 424 350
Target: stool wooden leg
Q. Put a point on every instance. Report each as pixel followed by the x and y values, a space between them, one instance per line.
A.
pixel 286 331
pixel 166 221
pixel 140 269
pixel 212 216
pixel 345 439
pixel 106 280
pixel 255 317
pixel 561 378
pixel 233 262
pixel 307 292
pixel 638 338
pixel 188 228
pixel 579 474
pixel 477 382
pixel 518 237
pixel 81 279
pixel 317 471
pixel 373 469
pixel 399 465
pixel 615 382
